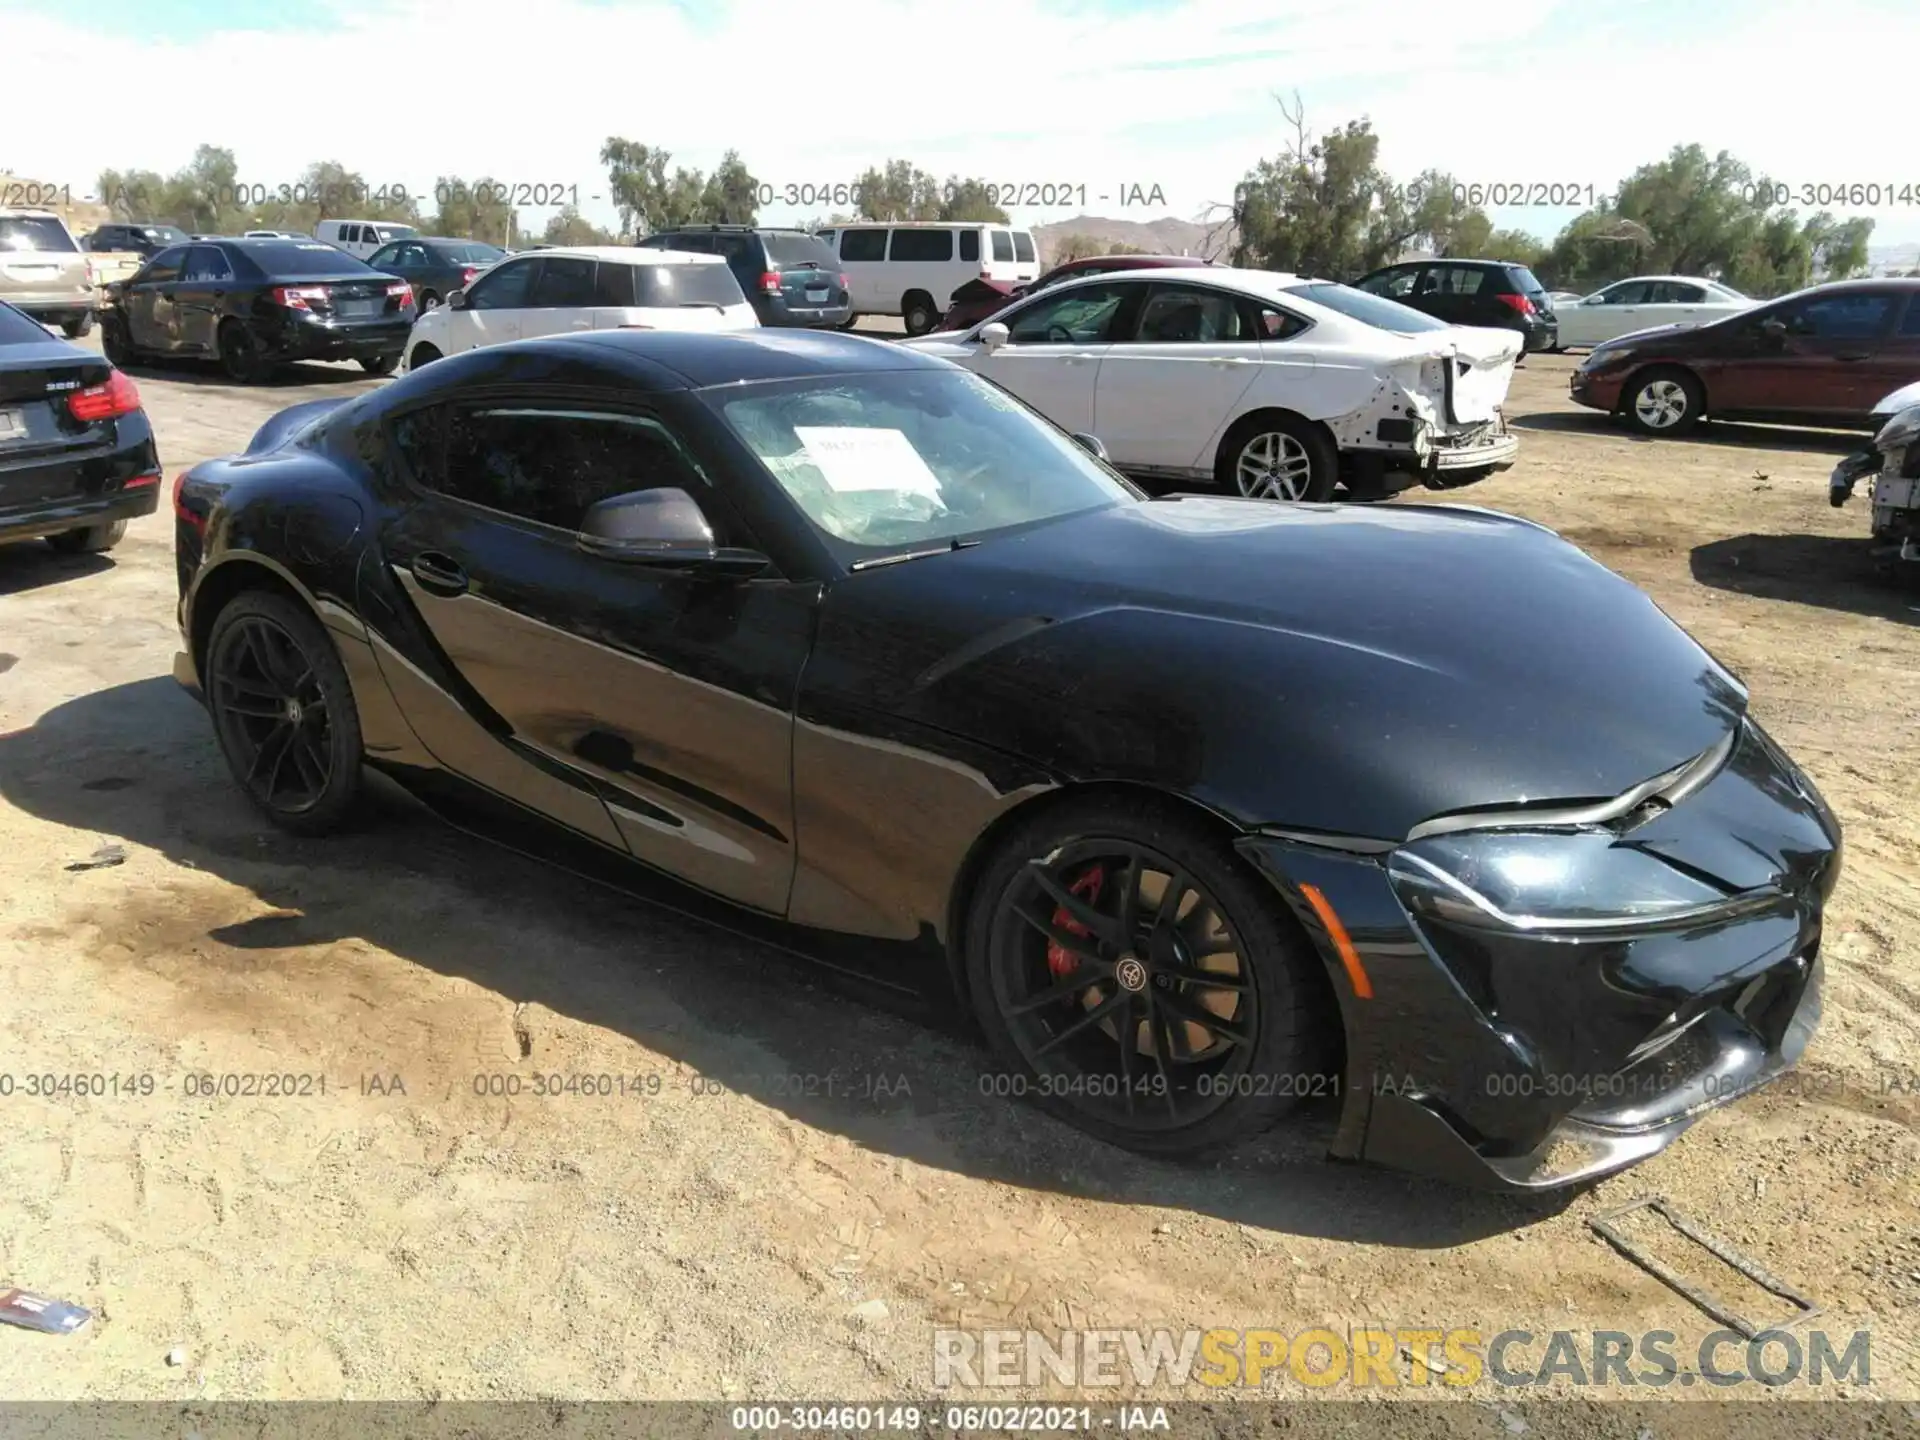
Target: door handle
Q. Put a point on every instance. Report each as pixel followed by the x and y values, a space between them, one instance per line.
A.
pixel 439 574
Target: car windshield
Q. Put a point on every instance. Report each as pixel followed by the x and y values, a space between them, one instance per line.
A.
pixel 904 460
pixel 1374 310
pixel 470 252
pixel 394 232
pixel 34 232
pixel 294 258
pixel 165 234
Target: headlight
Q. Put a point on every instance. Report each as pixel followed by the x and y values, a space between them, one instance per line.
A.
pixel 1537 880
pixel 1599 359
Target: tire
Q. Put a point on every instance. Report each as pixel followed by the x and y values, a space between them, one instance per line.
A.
pixel 74 329
pixel 1663 401
pixel 423 354
pixel 848 323
pixel 918 312
pixel 116 346
pixel 240 354
pixel 1269 456
pixel 90 540
pixel 265 651
pixel 379 364
pixel 1265 1025
pixel 429 301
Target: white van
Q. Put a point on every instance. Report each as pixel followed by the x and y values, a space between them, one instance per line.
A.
pixel 360 238
pixel 912 268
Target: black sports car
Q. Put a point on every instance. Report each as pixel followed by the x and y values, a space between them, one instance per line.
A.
pixel 256 304
pixel 77 458
pixel 1201 806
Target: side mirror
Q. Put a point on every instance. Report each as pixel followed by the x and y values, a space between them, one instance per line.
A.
pixel 664 529
pixel 1091 444
pixel 457 299
pixel 993 335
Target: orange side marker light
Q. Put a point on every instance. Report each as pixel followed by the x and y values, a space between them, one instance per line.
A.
pixel 1342 942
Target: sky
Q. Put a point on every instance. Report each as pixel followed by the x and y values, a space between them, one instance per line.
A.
pixel 1131 109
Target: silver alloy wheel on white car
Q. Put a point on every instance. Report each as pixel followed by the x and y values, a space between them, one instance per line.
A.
pixel 1661 404
pixel 1273 466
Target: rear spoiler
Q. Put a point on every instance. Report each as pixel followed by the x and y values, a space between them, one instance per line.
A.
pixel 290 422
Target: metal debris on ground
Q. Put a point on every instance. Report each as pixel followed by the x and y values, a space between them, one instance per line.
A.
pixel 41 1312
pixel 1607 1227
pixel 103 857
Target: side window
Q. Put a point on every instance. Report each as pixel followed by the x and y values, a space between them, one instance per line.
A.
pixel 1081 316
pixel 1002 246
pixel 698 244
pixel 1458 280
pixel 205 263
pixel 922 245
pixel 1674 293
pixel 350 234
pixel 863 245
pixel 612 285
pixel 386 257
pixel 415 438
pixel 1629 292
pixel 1842 317
pixel 970 246
pixel 1910 326
pixel 1270 324
pixel 1023 247
pixel 734 247
pixel 504 287
pixel 164 268
pixel 551 465
pixel 1396 283
pixel 565 282
pixel 1184 315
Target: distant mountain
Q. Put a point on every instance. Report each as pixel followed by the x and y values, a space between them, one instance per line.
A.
pixel 1155 237
pixel 1892 259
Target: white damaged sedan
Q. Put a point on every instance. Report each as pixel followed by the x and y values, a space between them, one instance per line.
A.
pixel 1269 385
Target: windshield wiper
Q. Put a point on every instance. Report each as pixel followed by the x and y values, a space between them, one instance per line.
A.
pixel 879 560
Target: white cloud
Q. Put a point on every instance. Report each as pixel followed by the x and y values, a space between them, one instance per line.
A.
pixel 1520 90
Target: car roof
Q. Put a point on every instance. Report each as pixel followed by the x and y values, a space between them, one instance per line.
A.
pixel 1264 284
pixel 1141 262
pixel 628 254
pixel 725 357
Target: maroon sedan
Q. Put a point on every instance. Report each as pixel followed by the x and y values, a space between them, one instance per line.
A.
pixel 978 299
pixel 1821 356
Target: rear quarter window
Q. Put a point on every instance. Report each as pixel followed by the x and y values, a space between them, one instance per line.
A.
pixel 1023 247
pixel 1523 282
pixel 664 287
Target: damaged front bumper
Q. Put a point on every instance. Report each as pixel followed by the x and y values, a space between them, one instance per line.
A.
pixel 1502 1054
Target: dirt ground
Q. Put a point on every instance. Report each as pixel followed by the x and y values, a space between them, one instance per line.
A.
pixel 719 1230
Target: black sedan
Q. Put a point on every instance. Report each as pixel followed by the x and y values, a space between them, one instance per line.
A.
pixel 1201 807
pixel 435 266
pixel 77 458
pixel 254 305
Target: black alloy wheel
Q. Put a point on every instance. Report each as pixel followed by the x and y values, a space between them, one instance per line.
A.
pixel 1137 982
pixel 283 712
pixel 240 354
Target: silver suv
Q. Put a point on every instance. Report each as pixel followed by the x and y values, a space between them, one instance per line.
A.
pixel 44 272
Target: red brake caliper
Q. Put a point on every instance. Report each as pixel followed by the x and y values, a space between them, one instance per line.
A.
pixel 1059 960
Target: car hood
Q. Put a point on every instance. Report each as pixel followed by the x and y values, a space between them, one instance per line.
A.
pixel 1901 399
pixel 1349 669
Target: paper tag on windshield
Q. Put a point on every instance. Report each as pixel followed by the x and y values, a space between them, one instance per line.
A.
pixel 854 458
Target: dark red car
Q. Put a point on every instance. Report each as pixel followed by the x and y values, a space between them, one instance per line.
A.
pixel 1821 356
pixel 978 299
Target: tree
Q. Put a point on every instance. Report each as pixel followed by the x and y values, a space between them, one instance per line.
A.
pixel 1323 206
pixel 648 199
pixel 900 190
pixel 475 209
pixel 1691 215
pixel 569 227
